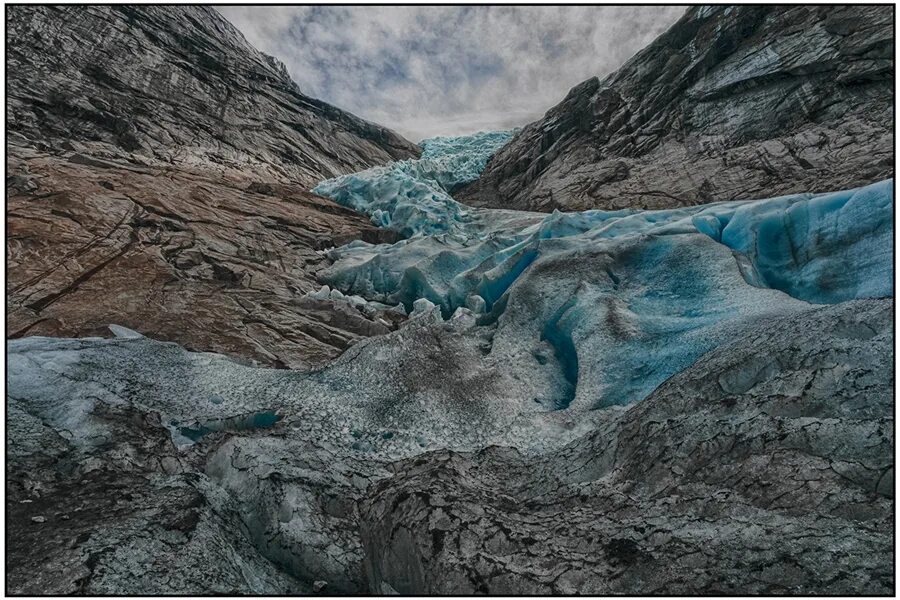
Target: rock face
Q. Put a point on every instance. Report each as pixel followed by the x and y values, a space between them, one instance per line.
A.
pixel 158 169
pixel 176 85
pixel 89 518
pixel 765 467
pixel 733 102
pixel 213 264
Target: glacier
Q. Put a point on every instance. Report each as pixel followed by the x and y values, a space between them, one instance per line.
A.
pixel 529 321
pixel 413 196
pixel 641 294
pixel 823 248
pixel 567 348
pixel 520 325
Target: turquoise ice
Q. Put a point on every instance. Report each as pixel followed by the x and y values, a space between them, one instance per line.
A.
pixel 614 301
pixel 820 248
pixel 413 196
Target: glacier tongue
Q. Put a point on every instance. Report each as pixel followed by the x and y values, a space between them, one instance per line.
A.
pixel 413 196
pixel 553 315
pixel 820 248
pixel 530 339
pixel 641 293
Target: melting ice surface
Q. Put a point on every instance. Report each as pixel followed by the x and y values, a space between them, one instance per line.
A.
pixel 413 196
pixel 539 319
pixel 820 248
pixel 616 300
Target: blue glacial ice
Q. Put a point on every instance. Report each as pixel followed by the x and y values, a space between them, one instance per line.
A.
pixel 824 249
pixel 413 196
pixel 819 248
pixel 521 324
pixel 614 301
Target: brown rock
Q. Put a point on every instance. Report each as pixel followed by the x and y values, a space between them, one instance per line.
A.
pixel 176 256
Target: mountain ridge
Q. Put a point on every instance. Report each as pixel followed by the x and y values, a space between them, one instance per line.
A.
pixel 730 103
pixel 178 86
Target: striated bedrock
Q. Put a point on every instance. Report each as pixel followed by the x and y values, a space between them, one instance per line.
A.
pixel 764 467
pixel 212 263
pixel 733 102
pixel 158 170
pixel 178 86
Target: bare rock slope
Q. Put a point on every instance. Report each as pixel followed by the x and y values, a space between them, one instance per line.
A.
pixel 732 102
pixel 212 264
pixel 764 468
pixel 157 177
pixel 177 85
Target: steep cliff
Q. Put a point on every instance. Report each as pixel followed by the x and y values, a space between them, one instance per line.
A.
pixel 732 102
pixel 175 85
pixel 158 170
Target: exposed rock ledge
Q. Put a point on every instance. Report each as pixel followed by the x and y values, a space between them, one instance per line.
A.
pixel 214 264
pixel 733 102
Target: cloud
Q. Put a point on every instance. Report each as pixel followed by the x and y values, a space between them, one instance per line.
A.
pixel 426 71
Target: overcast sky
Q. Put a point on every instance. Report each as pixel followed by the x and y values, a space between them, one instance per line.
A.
pixel 426 71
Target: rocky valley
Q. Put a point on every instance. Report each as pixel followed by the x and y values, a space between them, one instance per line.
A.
pixel 257 345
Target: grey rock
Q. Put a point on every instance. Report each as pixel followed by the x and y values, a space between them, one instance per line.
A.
pixel 176 86
pixel 732 102
pixel 758 470
pixel 765 467
pixel 133 526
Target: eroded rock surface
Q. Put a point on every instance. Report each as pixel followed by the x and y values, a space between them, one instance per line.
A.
pixel 733 102
pixel 213 264
pixel 176 85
